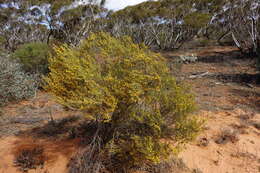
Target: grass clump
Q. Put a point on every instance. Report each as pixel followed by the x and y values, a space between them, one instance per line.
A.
pixel 30 159
pixel 130 91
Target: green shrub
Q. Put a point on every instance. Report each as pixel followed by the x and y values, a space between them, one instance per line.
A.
pixel 117 82
pixel 14 83
pixel 34 57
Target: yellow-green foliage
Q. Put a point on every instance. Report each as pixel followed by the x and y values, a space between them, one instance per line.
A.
pixel 74 80
pixel 124 84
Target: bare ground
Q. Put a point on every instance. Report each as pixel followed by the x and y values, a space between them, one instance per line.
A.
pixel 228 93
pixel 227 90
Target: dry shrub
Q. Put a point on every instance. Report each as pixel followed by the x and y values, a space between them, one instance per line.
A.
pixel 30 159
pixel 227 135
pixel 88 160
pixel 14 83
pixel 83 162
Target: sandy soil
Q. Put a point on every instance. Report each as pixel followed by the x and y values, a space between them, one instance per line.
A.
pixel 231 157
pixel 228 97
pixel 26 125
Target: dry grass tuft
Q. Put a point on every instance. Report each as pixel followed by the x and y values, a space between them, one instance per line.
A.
pixel 227 135
pixel 28 159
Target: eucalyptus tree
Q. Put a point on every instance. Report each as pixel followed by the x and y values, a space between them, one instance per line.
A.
pixel 17 26
pixel 75 24
pixel 67 21
pixel 245 25
pixel 240 20
pixel 164 24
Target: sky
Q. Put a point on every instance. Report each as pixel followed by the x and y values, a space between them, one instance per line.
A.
pixel 120 4
pixel 110 4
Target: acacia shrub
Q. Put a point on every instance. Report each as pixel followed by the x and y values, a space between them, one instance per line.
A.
pixel 34 57
pixel 119 83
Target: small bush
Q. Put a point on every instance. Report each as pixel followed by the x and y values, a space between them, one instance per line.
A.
pixel 14 83
pixel 119 83
pixel 227 135
pixel 30 159
pixel 34 57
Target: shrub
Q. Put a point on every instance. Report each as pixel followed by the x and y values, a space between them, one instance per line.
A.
pixel 117 82
pixel 188 58
pixel 34 57
pixel 28 159
pixel 14 83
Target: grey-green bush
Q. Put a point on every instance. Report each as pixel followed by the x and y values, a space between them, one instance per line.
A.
pixel 34 57
pixel 15 84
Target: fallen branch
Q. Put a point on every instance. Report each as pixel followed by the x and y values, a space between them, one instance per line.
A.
pixel 199 75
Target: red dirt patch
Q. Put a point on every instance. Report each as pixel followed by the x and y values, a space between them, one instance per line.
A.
pixel 55 154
